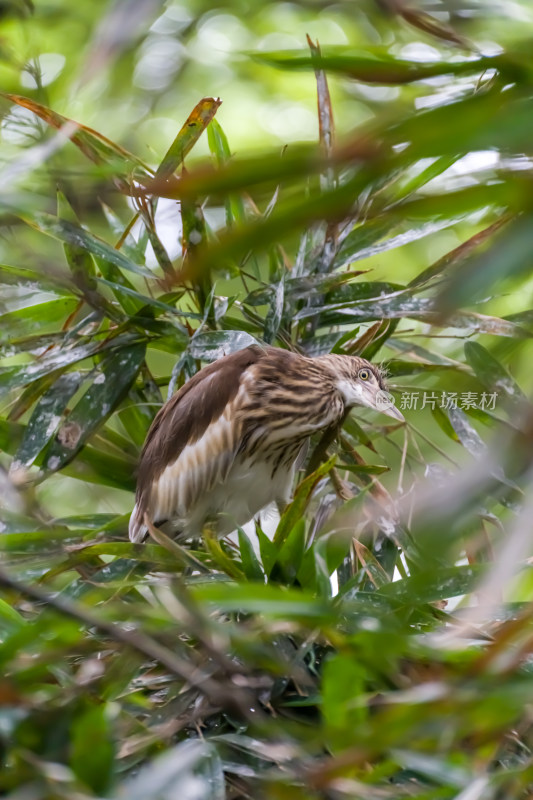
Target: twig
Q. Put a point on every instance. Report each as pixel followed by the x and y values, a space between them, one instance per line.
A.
pixel 233 699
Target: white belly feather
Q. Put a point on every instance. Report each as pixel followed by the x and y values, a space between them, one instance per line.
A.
pixel 247 489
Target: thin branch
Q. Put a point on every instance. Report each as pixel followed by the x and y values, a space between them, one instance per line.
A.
pixel 233 699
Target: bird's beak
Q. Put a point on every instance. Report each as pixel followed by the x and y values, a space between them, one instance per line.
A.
pixel 393 412
pixel 380 400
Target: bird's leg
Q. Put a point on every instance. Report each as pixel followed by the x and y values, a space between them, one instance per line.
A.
pixel 209 529
pixel 281 505
pixel 340 486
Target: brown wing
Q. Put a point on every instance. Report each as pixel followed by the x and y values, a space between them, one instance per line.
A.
pixel 190 444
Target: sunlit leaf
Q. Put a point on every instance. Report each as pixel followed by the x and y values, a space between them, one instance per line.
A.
pixel 192 129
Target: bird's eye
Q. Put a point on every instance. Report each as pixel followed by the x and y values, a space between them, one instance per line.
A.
pixel 364 374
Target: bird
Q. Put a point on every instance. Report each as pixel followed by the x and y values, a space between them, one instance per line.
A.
pixel 227 443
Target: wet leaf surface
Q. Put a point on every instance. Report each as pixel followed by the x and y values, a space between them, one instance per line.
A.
pixel 109 387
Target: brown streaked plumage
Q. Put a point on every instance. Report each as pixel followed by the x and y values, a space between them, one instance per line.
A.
pixel 225 445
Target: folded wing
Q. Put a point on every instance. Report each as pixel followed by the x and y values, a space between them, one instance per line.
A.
pixel 191 444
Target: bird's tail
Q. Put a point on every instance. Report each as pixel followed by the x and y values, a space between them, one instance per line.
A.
pixel 137 529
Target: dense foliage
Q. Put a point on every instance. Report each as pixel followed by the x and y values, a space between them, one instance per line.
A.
pixel 376 643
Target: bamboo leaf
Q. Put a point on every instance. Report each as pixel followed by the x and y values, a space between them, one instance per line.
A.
pixel 508 256
pixel 190 132
pixel 250 564
pixel 92 753
pixel 73 235
pixel 295 510
pixel 45 418
pixel 491 373
pixel 379 68
pixel 290 554
pixel 109 386
pixel 92 144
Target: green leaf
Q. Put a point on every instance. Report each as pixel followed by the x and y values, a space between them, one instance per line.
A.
pixel 380 235
pixel 444 422
pixel 120 574
pixel 46 417
pixel 491 373
pixel 72 234
pixel 478 121
pixel 433 587
pixel 468 436
pixel 219 146
pixel 122 288
pixel 322 559
pixel 110 385
pixel 402 305
pixel 373 67
pixel 34 317
pixel 509 255
pixel 139 411
pixel 30 279
pixel 222 560
pixel 250 564
pixel 211 345
pixel 344 676
pixel 295 510
pixel 267 549
pixel 92 748
pixel 79 260
pixel 270 600
pixel 275 312
pixel 90 464
pixel 458 254
pixel 509 193
pixel 94 466
pixel 364 469
pixel 192 129
pixel 239 174
pixel 56 362
pixel 10 619
pixel 290 554
pixel 97 521
pixel 218 142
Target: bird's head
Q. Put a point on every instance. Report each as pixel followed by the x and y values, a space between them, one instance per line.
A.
pixel 361 384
